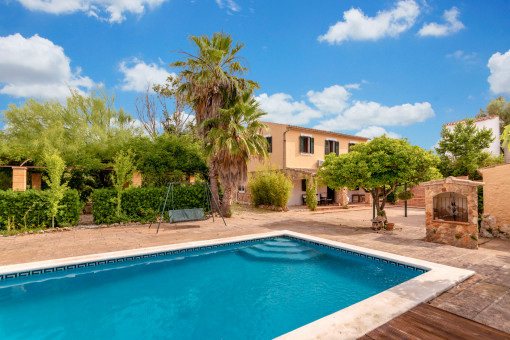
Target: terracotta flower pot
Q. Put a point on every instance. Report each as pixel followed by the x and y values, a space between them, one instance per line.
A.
pixel 389 226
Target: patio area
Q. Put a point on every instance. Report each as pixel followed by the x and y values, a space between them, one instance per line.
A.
pixel 484 298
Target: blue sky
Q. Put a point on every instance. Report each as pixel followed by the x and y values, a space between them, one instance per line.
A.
pixel 359 67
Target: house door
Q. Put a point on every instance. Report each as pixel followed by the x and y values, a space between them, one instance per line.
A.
pixel 331 194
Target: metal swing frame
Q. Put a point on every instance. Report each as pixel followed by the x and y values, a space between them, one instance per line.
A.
pixel 170 192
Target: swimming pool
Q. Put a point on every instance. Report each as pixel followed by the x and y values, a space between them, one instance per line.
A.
pixel 253 287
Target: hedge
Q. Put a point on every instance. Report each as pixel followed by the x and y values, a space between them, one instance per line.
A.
pixel 140 204
pixel 29 209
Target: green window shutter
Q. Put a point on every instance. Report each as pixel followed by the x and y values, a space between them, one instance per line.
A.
pixel 301 144
pixel 337 148
pixel 326 148
pixel 311 145
pixel 269 144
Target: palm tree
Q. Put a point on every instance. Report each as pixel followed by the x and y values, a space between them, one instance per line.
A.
pixel 233 139
pixel 208 79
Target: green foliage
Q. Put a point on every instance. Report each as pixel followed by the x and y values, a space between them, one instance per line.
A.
pixel 168 158
pixel 461 150
pixel 405 195
pixel 506 137
pixel 140 204
pixel 270 187
pixel 311 193
pixel 123 168
pixel 378 167
pixel 497 107
pixel 55 170
pixel 28 210
pixel 88 131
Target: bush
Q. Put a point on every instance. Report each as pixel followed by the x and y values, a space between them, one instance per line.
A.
pixel 30 209
pixel 405 195
pixel 270 188
pixel 141 204
pixel 311 194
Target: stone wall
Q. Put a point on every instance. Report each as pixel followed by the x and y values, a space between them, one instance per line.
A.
pixel 19 178
pixel 496 201
pixel 459 234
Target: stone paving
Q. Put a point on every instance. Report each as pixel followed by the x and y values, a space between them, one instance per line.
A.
pixel 485 297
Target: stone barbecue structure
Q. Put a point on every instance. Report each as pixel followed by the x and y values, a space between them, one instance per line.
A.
pixel 451 212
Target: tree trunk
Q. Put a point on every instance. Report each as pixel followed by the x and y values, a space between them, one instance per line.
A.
pixel 213 179
pixel 53 221
pixel 379 206
pixel 226 202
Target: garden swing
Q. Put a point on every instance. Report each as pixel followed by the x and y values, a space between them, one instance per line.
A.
pixel 182 212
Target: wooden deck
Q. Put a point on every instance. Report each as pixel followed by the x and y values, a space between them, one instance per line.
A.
pixel 428 322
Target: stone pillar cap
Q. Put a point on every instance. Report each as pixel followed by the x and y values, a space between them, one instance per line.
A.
pixel 453 180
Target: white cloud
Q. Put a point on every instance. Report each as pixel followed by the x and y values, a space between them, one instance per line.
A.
pixel 230 4
pixel 35 67
pixel 115 9
pixel 377 131
pixel 461 55
pixel 452 25
pixel 499 65
pixel 358 26
pixel 342 113
pixel 281 108
pixel 332 99
pixel 138 75
pixel 363 114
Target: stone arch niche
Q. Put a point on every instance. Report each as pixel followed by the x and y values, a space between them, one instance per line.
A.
pixel 451 212
pixel 450 206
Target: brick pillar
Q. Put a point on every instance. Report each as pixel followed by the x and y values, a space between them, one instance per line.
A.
pixel 19 179
pixel 36 180
pixel 368 198
pixel 137 180
pixel 341 196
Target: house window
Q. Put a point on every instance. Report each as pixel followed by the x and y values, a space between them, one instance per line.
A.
pixel 306 144
pixel 269 144
pixel 241 189
pixel 303 185
pixel 331 146
pixel 350 145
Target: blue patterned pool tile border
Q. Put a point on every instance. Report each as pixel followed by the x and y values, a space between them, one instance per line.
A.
pixel 355 253
pixel 187 250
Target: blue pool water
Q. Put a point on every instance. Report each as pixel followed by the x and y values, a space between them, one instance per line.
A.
pixel 256 290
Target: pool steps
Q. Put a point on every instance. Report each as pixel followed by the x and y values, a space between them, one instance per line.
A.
pixel 286 250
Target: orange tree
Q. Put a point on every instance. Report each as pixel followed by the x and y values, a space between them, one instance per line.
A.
pixel 378 167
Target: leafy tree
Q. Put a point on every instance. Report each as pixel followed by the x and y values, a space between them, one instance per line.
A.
pixel 88 131
pixel 311 193
pixel 207 79
pixel 462 150
pixel 378 167
pixel 123 168
pixel 55 168
pixel 233 139
pixel 497 107
pixel 168 158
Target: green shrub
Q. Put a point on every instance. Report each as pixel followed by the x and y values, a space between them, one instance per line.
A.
pixel 405 195
pixel 30 209
pixel 311 194
pixel 270 188
pixel 141 204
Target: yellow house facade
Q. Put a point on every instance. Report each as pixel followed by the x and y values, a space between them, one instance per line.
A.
pixel 300 151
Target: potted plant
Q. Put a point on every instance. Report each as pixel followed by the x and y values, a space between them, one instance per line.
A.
pixel 389 226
